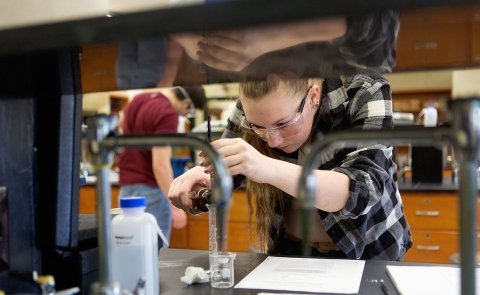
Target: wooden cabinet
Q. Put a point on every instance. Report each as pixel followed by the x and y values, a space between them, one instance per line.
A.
pixel 87 203
pixel 476 35
pixel 240 237
pixel 434 38
pixel 434 221
pixel 98 67
pixel 195 234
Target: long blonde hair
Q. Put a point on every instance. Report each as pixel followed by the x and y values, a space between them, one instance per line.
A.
pixel 265 196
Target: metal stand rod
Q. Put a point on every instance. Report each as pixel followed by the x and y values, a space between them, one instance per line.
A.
pixel 307 186
pixel 468 231
pixel 102 145
pixel 222 181
pixel 99 128
pixel 466 132
pixel 464 135
pixel 104 226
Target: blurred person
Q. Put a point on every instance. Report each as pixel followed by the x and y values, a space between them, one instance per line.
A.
pixel 147 63
pixel 149 172
pixel 320 47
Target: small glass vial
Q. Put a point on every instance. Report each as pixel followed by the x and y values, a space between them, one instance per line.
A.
pixel 200 199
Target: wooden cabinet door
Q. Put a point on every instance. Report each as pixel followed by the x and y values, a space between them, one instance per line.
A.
pixel 88 201
pixel 476 36
pixel 433 38
pixel 426 210
pixel 434 222
pixel 433 246
pixel 97 66
pixel 433 210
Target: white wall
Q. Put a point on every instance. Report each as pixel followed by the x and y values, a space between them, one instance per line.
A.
pixel 466 83
pixel 98 102
pixel 423 81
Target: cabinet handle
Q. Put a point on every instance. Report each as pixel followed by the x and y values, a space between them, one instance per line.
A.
pixel 428 248
pixel 427 213
pixel 425 45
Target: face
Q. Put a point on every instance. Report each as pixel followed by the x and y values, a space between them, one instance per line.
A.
pixel 282 118
pixel 183 107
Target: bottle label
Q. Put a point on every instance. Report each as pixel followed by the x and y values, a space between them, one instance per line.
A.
pixel 124 240
pixel 135 236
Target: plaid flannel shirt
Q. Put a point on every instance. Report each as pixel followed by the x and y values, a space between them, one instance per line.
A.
pixel 372 224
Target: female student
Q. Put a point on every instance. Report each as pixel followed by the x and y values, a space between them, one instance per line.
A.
pixel 360 212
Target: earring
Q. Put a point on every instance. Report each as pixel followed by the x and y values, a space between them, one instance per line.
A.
pixel 316 105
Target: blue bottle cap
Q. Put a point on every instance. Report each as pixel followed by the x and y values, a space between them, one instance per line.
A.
pixel 133 202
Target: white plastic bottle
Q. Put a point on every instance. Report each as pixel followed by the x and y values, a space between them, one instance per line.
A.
pixel 135 246
pixel 430 116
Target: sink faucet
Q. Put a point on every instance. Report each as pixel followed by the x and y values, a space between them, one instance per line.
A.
pixel 102 142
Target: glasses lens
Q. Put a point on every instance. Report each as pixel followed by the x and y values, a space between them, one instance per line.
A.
pixel 293 128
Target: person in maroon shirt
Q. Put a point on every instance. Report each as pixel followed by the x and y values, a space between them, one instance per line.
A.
pixel 149 172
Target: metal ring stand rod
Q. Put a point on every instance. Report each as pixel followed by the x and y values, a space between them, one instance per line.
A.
pixel 102 145
pixel 464 135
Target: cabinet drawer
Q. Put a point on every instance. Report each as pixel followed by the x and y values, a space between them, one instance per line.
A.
pixel 431 210
pixel 433 246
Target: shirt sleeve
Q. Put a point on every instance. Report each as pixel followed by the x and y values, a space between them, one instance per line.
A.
pixel 372 223
pixel 370 168
pixel 233 122
pixel 371 40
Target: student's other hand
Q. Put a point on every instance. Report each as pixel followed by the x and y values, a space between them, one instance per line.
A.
pixel 179 218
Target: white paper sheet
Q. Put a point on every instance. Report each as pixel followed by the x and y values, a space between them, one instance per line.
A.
pixel 306 275
pixel 421 280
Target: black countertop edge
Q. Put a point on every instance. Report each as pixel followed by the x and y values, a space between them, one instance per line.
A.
pixel 434 187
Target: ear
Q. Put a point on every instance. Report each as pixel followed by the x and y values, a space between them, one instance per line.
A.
pixel 315 96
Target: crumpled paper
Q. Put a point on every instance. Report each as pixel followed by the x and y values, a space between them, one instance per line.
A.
pixel 195 274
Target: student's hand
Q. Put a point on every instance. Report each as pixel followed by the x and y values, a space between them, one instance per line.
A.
pixel 190 43
pixel 232 50
pixel 190 181
pixel 239 158
pixel 179 218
